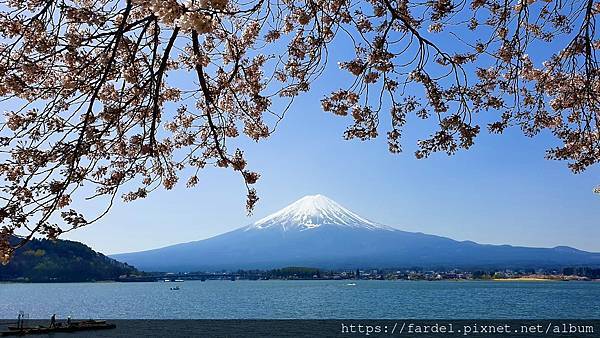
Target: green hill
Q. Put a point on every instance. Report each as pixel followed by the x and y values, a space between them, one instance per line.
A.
pixel 44 260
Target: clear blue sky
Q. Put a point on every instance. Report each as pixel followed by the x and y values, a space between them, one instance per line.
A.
pixel 502 191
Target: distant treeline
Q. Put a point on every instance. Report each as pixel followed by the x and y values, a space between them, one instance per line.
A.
pixel 589 272
pixel 44 260
pixel 287 272
pixel 488 273
pixel 593 273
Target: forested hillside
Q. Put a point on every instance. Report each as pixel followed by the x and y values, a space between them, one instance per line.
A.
pixel 61 261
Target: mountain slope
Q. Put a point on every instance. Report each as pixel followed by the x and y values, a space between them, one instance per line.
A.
pixel 316 231
pixel 43 260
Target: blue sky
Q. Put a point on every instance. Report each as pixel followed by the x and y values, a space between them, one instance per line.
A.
pixel 502 191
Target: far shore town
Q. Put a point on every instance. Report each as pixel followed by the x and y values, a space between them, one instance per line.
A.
pixel 302 273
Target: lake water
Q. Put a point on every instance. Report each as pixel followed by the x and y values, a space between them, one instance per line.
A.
pixel 304 300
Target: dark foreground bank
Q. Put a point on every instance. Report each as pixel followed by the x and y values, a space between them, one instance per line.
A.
pixel 342 328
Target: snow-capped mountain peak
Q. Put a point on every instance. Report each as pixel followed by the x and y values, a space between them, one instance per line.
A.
pixel 314 211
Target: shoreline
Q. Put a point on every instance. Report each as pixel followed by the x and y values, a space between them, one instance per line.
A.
pixel 522 279
pixel 534 279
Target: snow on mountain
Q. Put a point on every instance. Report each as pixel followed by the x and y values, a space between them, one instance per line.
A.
pixel 314 211
pixel 317 232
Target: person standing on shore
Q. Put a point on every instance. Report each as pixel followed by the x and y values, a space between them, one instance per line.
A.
pixel 53 320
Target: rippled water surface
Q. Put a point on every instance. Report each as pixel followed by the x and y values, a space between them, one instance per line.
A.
pixel 304 299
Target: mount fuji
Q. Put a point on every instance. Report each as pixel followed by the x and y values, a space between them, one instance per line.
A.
pixel 318 232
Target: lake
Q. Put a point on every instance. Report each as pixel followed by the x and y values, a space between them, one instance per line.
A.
pixel 304 300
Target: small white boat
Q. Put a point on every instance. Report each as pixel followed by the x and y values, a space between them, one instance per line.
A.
pixel 178 280
pixel 175 288
pixel 351 284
